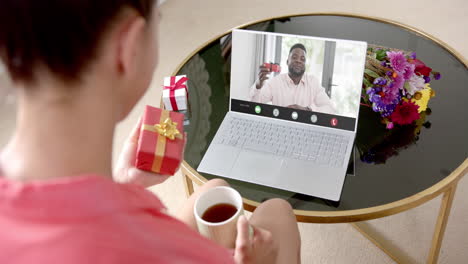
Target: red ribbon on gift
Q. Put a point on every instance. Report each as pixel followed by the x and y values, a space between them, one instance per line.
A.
pixel 173 87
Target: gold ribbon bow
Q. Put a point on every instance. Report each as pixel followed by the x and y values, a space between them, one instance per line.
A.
pixel 167 129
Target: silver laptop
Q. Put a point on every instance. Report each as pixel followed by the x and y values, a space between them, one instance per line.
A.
pixel 294 105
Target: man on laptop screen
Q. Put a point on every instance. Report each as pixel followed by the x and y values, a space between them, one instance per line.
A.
pixel 294 89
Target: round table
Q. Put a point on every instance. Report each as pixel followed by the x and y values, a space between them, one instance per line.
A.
pixel 385 178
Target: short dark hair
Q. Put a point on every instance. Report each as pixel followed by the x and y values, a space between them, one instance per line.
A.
pixel 298 46
pixel 62 35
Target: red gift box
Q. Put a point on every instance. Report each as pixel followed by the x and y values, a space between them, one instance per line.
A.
pixel 273 67
pixel 161 143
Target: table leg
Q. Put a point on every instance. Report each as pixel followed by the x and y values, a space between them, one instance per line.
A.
pixel 387 246
pixel 188 184
pixel 394 252
pixel 441 224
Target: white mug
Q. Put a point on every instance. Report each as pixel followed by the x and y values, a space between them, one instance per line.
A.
pixel 224 233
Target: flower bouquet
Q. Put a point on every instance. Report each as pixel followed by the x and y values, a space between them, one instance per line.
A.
pixel 394 103
pixel 396 85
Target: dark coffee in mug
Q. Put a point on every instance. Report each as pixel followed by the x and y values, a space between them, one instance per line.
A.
pixel 219 212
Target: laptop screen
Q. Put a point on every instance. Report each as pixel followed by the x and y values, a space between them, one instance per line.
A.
pixel 297 78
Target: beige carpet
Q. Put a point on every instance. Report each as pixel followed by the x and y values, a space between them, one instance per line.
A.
pixel 200 20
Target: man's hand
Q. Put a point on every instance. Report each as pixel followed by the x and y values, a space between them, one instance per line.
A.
pixel 258 249
pixel 295 106
pixel 125 170
pixel 262 76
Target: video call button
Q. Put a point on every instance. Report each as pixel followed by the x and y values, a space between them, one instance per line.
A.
pixel 276 112
pixel 313 118
pixel 258 109
pixel 334 122
pixel 294 115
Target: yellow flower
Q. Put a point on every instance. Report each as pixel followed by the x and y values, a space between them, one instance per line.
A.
pixel 421 98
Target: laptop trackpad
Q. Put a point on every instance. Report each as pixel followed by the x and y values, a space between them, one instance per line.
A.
pixel 257 167
pixel 218 160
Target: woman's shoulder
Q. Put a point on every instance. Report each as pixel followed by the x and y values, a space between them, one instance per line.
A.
pixel 94 212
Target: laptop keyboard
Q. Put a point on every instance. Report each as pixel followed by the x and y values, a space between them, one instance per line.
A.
pixel 298 143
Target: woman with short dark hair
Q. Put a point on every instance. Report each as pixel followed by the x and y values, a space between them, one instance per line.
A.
pixel 79 67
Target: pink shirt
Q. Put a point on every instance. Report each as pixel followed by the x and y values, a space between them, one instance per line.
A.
pixel 282 91
pixel 91 219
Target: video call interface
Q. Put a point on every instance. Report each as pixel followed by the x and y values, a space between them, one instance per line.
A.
pixel 297 78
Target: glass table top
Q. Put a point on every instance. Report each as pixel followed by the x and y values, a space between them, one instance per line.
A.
pixel 385 167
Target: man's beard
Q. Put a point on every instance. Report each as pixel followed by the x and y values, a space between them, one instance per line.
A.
pixel 295 73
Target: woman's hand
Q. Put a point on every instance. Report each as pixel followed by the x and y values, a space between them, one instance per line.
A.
pixel 125 170
pixel 260 248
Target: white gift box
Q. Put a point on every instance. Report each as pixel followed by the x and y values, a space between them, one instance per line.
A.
pixel 180 94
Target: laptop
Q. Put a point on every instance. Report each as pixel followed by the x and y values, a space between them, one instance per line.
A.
pixel 292 120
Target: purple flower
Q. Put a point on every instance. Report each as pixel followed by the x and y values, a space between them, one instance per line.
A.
pixel 380 105
pixel 397 60
pixel 413 55
pixel 383 102
pixel 392 94
pixel 391 107
pixel 390 97
pixel 383 63
pixel 437 75
pixel 375 98
pixel 389 73
pixel 380 81
pixel 398 82
pixel 388 112
pixel 390 88
pixel 427 79
pixel 375 107
pixel 409 71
